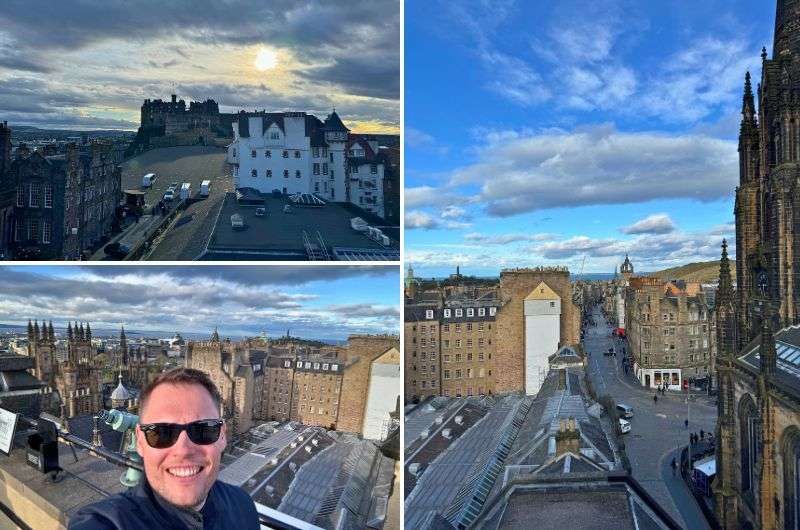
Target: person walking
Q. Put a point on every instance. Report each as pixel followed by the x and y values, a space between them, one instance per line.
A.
pixel 686 423
pixel 655 399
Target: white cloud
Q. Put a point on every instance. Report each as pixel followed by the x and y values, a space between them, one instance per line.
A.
pixel 659 223
pixel 418 219
pixel 598 166
pixel 505 239
pixel 453 212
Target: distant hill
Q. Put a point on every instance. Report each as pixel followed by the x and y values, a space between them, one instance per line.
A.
pixel 706 272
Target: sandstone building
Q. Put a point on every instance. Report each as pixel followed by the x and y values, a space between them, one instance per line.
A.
pixel 670 330
pixel 62 204
pixel 466 338
pixel 758 449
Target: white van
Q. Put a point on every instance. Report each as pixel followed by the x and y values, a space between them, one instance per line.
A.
pixel 625 411
pixel 147 180
pixel 205 188
pixel 186 190
pixel 624 426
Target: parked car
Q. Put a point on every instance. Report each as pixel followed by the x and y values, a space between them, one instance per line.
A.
pixel 169 195
pixel 117 250
pixel 625 411
pixel 147 180
pixel 205 188
pixel 624 426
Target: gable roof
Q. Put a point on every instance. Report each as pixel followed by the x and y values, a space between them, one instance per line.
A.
pixel 542 292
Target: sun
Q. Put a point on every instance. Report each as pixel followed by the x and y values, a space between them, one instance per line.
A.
pixel 266 60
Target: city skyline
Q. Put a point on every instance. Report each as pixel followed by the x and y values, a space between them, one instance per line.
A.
pixel 585 137
pixel 238 300
pixel 90 66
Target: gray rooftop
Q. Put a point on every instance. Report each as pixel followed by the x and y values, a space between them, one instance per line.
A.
pixel 280 236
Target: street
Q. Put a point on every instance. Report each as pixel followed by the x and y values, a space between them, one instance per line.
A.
pixel 657 428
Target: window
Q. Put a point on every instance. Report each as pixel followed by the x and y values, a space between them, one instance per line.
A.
pixel 492 311
pixel 297 173
pixel 254 173
pixel 480 326
pixel 446 343
pixel 316 168
pixel 447 374
pixel 332 174
pixel 35 199
pixel 447 314
pixel 470 312
pixel 480 356
pixel 481 311
pixel 275 135
pixel 286 173
pixel 316 187
pixel 429 314
pixel 269 173
pixel 446 327
pixel 469 345
pixel 373 169
pixel 297 154
pixel 552 304
pixel 331 157
pixel 469 326
pixel 47 231
pixel 446 358
pixel 459 312
pixel 48 195
pixel 458 328
pixel 324 168
pixel 315 152
pixel 458 343
pixel 355 169
pixel 458 374
pixel 33 230
pixel 285 154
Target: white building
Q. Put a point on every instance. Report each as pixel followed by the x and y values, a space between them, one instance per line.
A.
pixel 383 395
pixel 542 312
pixel 295 152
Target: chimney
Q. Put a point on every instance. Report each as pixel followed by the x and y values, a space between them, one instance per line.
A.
pixel 568 438
pixel 174 98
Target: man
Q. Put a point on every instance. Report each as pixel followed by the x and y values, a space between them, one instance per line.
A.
pixel 180 438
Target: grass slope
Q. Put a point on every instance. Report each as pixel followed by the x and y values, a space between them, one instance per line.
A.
pixel 706 272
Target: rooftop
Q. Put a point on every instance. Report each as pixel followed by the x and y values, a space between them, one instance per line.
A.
pixel 787 346
pixel 282 236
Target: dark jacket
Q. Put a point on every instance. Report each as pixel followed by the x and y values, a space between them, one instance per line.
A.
pixel 140 508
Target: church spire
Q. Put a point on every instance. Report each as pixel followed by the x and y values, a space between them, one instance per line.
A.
pixel 767 351
pixel 51 334
pixel 88 332
pixel 725 290
pixel 30 331
pixel 69 331
pixel 748 101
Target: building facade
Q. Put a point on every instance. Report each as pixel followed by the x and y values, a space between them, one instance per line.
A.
pixel 63 204
pixel 758 453
pixel 463 339
pixel 295 152
pixel 670 332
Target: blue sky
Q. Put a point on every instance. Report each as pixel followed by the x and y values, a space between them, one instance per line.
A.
pixel 314 302
pixel 558 131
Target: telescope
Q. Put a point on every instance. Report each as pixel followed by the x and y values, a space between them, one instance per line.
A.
pixel 125 422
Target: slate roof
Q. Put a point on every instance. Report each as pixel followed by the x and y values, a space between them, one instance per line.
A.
pixel 787 346
pixel 334 123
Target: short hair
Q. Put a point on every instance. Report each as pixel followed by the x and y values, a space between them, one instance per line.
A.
pixel 181 376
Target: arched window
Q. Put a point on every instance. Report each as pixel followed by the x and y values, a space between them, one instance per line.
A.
pixel 749 440
pixel 790 449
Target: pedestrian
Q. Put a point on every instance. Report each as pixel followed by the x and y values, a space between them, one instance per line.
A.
pixel 674 466
pixel 686 423
pixel 655 399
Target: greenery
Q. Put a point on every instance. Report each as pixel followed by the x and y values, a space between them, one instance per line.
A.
pixel 705 272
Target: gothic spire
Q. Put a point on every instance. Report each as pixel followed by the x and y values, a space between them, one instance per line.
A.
pixel 88 332
pixel 725 290
pixel 69 330
pixel 215 335
pixel 51 334
pixel 30 331
pixel 81 334
pixel 36 334
pixel 748 101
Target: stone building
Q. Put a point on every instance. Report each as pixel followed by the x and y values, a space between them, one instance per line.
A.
pixel 464 338
pixel 670 331
pixel 77 378
pixel 63 204
pixel 758 453
pixel 228 365
pixel 42 348
pixel 346 390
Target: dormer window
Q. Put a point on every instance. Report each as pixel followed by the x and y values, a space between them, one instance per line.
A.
pixel 447 313
pixel 429 314
pixel 268 154
pixel 492 311
pixel 297 154
pixel 459 313
pixel 470 312
pixel 274 135
pixel 286 154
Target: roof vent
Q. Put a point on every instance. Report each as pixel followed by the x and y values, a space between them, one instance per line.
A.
pixel 308 449
pixel 446 433
pixel 424 434
pixel 439 420
pixel 315 442
pixel 459 420
pixel 414 469
pixel 273 461
pixel 270 490
pixel 293 445
pixel 300 439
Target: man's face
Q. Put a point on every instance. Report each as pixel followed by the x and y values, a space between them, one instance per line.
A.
pixel 183 473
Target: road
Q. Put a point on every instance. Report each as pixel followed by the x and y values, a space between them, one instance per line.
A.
pixel 657 429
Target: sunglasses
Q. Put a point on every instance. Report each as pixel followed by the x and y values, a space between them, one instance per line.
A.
pixel 163 435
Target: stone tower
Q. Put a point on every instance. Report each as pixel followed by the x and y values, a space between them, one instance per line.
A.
pixel 626 269
pixel 5 148
pixel 42 347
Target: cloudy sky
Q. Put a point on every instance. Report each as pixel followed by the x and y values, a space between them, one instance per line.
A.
pixel 91 63
pixel 314 302
pixel 561 130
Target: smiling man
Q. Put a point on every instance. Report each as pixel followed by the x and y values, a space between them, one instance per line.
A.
pixel 180 438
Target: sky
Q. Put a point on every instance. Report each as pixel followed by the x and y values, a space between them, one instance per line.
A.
pixel 91 63
pixel 572 132
pixel 313 302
